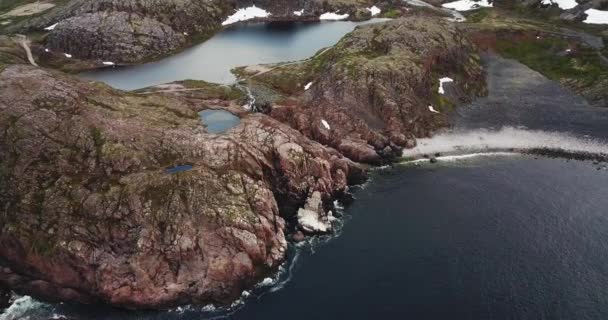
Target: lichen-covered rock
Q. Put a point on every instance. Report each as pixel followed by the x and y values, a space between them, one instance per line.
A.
pixel 370 94
pixel 91 212
pixel 118 36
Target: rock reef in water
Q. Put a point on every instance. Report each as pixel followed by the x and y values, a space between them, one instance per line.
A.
pixel 94 213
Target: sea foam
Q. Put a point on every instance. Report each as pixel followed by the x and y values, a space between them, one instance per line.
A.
pixel 507 139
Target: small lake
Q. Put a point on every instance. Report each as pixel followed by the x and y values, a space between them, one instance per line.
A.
pixel 218 121
pixel 236 46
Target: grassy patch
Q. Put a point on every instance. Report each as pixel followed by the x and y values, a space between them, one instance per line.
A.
pixel 392 14
pixel 549 57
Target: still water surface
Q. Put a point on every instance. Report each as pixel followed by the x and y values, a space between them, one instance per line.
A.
pixel 236 46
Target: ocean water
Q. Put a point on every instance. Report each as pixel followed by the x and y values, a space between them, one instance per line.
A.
pixel 485 233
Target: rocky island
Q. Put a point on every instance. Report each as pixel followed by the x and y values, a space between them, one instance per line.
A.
pixel 127 199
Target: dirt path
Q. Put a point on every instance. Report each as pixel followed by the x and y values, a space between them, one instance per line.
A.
pixel 266 70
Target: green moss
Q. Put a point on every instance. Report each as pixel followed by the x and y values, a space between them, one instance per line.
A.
pixel 548 56
pixel 478 15
pixel 392 14
pixel 214 91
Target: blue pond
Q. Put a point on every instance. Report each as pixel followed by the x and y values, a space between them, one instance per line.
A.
pixel 179 169
pixel 219 121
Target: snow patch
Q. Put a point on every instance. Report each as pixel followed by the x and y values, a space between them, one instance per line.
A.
pixel 595 16
pixel 298 13
pixel 431 109
pixel 246 14
pixel 374 10
pixel 47 50
pixel 562 4
pixel 186 34
pixel 325 124
pixel 441 82
pixel 49 28
pixel 67 55
pixel 333 16
pixel 307 86
pixel 108 63
pixel 466 5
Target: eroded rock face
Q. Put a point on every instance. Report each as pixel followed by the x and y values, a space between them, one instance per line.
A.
pixel 119 36
pixel 91 213
pixel 370 94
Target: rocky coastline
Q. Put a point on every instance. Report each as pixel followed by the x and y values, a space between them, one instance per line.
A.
pixel 126 199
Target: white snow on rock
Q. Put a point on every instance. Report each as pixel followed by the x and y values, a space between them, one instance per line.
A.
pixel 325 124
pixel 374 10
pixel 108 63
pixel 562 4
pixel 186 33
pixel 333 16
pixel 246 14
pixel 595 16
pixel 298 13
pixel 49 28
pixel 312 222
pixel 307 86
pixel 47 50
pixel 466 5
pixel 67 55
pixel 431 109
pixel 441 82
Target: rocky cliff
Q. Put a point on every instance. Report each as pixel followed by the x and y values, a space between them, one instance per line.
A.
pixel 126 198
pixel 369 96
pixel 97 208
